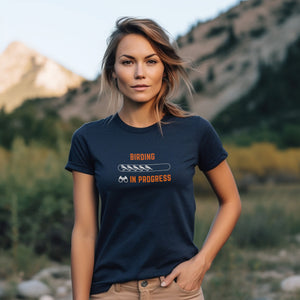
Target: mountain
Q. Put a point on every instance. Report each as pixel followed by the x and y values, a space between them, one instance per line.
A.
pixel 80 103
pixel 227 52
pixel 24 74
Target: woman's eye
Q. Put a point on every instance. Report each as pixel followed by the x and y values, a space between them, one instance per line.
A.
pixel 126 62
pixel 152 61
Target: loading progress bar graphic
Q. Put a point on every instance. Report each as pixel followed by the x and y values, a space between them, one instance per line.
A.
pixel 144 167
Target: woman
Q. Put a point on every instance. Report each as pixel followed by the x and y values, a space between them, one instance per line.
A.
pixel 141 161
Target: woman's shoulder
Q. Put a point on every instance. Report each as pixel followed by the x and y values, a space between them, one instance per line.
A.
pixel 193 120
pixel 93 126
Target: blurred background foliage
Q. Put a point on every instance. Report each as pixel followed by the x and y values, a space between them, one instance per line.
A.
pixel 35 199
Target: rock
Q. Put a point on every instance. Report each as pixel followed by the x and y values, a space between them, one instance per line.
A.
pixel 59 272
pixel 282 253
pixel 268 275
pixel 62 291
pixel 291 284
pixel 33 289
pixel 46 297
pixel 68 284
pixel 297 238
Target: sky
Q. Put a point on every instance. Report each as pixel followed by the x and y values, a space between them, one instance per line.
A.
pixel 73 33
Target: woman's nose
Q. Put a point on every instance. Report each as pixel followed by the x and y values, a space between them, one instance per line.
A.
pixel 139 71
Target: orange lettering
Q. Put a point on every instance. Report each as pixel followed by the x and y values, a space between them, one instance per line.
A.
pixel 133 179
pixel 142 156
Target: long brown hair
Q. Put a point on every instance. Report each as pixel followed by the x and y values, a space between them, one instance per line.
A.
pixel 173 64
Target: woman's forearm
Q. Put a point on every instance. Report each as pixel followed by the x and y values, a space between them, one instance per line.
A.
pixel 223 183
pixel 82 264
pixel 220 230
pixel 84 234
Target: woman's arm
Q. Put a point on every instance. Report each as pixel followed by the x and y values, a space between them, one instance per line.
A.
pixel 190 273
pixel 84 234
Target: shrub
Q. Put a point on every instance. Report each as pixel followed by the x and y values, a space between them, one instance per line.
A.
pixel 198 85
pixel 31 124
pixel 229 43
pixel 215 31
pixel 265 161
pixel 210 77
pixel 86 89
pixel 183 102
pixel 190 37
pixel 256 3
pixel 35 199
pixel 257 32
pixel 286 9
pixel 290 135
pixel 232 15
pixel 179 41
pixel 264 227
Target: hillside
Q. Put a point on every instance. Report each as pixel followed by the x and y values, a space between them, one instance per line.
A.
pixel 227 51
pixel 24 74
pixel 271 109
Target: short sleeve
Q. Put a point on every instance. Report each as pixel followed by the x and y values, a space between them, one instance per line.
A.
pixel 211 151
pixel 79 156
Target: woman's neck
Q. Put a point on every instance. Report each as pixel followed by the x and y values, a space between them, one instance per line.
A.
pixel 140 115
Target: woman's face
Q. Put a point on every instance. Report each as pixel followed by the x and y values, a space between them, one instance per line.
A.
pixel 138 69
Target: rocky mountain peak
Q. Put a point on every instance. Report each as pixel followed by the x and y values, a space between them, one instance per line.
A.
pixel 25 73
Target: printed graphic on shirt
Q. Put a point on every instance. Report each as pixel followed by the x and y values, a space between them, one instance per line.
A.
pixel 144 168
pixel 123 179
pixel 142 156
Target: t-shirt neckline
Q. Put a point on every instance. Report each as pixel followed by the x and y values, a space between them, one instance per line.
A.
pixel 130 128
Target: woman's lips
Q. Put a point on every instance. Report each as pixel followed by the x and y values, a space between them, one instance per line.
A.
pixel 140 87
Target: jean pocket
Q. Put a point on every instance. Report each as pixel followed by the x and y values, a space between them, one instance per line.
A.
pixel 186 291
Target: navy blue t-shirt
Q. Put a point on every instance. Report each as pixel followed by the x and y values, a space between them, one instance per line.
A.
pixel 145 181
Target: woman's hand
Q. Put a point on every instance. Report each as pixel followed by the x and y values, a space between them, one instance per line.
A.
pixel 189 274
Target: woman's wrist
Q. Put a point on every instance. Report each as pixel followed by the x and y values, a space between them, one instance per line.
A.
pixel 203 259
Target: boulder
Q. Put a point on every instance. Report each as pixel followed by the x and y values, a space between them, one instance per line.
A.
pixel 297 238
pixel 46 297
pixel 33 289
pixel 58 272
pixel 291 284
pixel 62 291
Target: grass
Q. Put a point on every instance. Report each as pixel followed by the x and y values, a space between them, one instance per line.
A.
pixel 261 251
pixel 24 266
